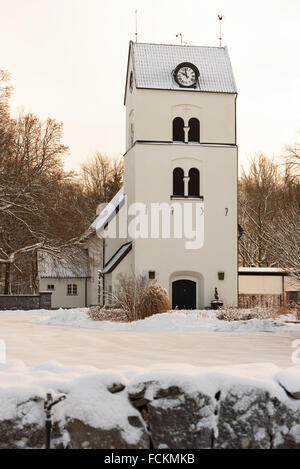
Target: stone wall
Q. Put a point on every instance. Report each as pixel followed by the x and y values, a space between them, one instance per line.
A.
pixel 233 415
pixel 26 302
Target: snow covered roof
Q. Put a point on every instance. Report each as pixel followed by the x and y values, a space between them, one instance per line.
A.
pixel 261 271
pixel 117 257
pixel 73 263
pixel 154 65
pixel 105 213
pixel 108 211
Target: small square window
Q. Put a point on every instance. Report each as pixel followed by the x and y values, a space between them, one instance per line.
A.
pixel 151 274
pixel 72 289
pixel 50 287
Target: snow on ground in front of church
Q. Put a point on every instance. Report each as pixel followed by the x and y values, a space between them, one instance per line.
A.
pixel 195 338
pixel 196 320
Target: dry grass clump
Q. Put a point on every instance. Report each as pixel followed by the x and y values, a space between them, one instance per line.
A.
pixel 98 313
pixel 138 297
pixel 289 308
pixel 155 300
pixel 294 308
pixel 236 314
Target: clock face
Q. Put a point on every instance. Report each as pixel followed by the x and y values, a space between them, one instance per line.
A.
pixel 186 75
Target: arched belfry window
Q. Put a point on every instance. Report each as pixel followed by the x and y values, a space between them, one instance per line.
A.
pixel 194 182
pixel 178 132
pixel 194 132
pixel 178 182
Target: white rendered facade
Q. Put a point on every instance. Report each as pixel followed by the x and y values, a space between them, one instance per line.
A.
pixel 152 155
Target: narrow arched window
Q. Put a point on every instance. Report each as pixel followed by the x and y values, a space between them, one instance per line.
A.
pixel 178 132
pixel 178 182
pixel 194 132
pixel 194 182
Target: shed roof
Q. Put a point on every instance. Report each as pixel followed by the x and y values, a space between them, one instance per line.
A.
pixel 72 263
pixel 262 271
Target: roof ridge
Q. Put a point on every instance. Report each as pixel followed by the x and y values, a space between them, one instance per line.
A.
pixel 177 45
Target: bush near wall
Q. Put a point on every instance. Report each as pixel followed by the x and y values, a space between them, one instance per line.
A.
pixel 247 301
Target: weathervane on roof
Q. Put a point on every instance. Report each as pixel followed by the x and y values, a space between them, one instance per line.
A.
pixel 181 39
pixel 136 25
pixel 220 19
pixel 180 35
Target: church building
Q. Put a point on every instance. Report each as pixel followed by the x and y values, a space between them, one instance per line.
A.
pixel 181 158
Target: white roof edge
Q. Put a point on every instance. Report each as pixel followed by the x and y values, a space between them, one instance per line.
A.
pixel 115 259
pixel 261 269
pixel 108 213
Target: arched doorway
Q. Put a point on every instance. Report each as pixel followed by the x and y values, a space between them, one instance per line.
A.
pixel 184 294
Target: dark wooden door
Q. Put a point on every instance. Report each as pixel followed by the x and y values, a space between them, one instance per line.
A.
pixel 184 294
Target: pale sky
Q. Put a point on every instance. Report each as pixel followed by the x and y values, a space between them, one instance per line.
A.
pixel 68 58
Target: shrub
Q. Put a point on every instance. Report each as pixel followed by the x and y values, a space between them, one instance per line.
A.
pixel 96 313
pixel 155 300
pixel 236 314
pixel 138 297
pixel 295 309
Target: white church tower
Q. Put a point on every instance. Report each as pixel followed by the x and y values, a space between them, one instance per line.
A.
pixel 180 149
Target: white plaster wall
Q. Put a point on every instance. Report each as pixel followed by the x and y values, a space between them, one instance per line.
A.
pixel 125 267
pixel 59 297
pixel 266 284
pixel 153 183
pixel 148 178
pixel 260 284
pixel 94 246
pixel 111 280
pixel 115 228
pixel 154 111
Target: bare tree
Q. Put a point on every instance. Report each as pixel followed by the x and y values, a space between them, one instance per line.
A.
pixel 101 178
pixel 42 207
pixel 31 161
pixel 258 194
pixel 269 214
pixel 291 158
pixel 30 167
pixel 283 237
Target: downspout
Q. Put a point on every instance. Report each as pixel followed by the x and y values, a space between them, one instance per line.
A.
pixel 85 293
pixel 103 275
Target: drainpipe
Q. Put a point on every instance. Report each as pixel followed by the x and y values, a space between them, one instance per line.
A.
pixel 102 275
pixel 85 293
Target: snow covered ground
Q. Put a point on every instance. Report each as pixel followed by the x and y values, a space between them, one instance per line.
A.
pixel 195 338
pixel 172 321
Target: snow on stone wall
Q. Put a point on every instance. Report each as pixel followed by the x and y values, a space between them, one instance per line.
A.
pixel 165 406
